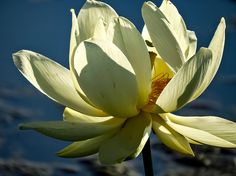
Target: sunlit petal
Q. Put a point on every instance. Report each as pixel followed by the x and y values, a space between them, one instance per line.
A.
pixel 89 15
pixel 128 39
pixel 74 42
pixel 217 47
pixel 184 83
pixel 53 80
pixel 206 129
pixel 71 115
pixel 84 148
pixel 176 25
pixel 127 143
pixel 84 28
pixel 74 37
pixel 107 78
pixel 73 131
pixel 170 137
pixel 162 37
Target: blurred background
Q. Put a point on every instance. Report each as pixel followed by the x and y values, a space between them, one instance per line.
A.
pixel 44 26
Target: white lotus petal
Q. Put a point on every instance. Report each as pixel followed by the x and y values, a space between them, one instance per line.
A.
pixel 127 143
pixel 162 36
pixel 176 25
pixel 84 27
pixel 73 131
pixel 74 42
pixel 217 47
pixel 106 78
pixel 128 39
pixel 206 129
pixel 74 37
pixel 170 137
pixel 71 115
pixel 53 80
pixel 89 15
pixel 185 82
pixel 217 126
pixel 84 148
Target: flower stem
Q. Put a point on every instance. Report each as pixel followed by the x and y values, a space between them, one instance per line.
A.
pixel 147 159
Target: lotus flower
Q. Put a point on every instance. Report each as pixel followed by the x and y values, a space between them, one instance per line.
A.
pixel 117 90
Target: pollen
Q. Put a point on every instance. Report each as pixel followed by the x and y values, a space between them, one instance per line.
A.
pixel 159 82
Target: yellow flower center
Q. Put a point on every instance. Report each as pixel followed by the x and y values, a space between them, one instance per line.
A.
pixel 159 82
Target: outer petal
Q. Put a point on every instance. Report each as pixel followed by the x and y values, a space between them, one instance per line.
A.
pixel 207 129
pixel 170 137
pixel 84 27
pixel 184 84
pixel 106 78
pixel 89 15
pixel 73 131
pixel 74 37
pixel 71 115
pixel 53 80
pixel 162 37
pixel 84 148
pixel 176 25
pixel 217 47
pixel 74 42
pixel 127 143
pixel 128 39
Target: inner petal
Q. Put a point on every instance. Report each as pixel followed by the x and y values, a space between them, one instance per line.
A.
pixel 106 78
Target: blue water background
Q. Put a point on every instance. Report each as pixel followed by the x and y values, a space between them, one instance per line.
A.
pixel 44 26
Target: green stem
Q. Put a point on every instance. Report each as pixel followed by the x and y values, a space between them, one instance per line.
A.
pixel 147 159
